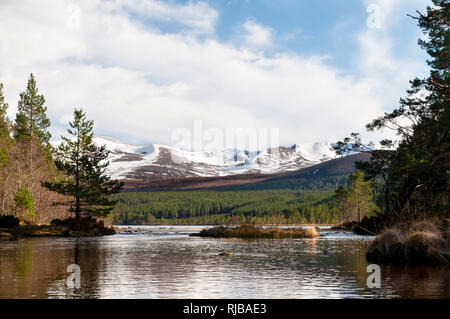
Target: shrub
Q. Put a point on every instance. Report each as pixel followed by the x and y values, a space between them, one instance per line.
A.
pixel 24 203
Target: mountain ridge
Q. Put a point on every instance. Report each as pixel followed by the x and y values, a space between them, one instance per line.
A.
pixel 158 161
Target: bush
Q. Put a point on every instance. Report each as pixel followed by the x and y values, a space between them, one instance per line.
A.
pixel 24 203
pixel 8 221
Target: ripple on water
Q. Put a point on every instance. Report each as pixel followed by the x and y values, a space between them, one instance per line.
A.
pixel 167 263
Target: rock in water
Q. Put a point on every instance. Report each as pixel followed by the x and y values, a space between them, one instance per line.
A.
pixel 225 253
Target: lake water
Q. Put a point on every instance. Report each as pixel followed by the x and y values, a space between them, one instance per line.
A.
pixel 164 262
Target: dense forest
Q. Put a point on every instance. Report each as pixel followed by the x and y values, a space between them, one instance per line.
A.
pixel 243 206
pixel 221 207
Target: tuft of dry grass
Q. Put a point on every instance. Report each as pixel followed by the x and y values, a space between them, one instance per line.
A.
pixel 447 235
pixel 388 246
pixel 252 232
pixel 424 247
pixel 423 243
pixel 425 226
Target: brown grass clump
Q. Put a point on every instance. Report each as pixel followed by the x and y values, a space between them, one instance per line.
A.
pixel 388 246
pixel 447 235
pixel 423 243
pixel 424 248
pixel 425 226
pixel 252 232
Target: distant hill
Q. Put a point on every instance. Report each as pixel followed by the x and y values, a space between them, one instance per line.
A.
pixel 325 175
pixel 146 163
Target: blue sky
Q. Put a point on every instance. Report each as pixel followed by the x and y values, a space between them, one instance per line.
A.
pixel 142 69
pixel 307 27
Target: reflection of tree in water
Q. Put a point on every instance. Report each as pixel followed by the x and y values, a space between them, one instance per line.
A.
pixel 350 255
pixel 36 268
pixel 88 255
pixel 399 281
pixel 25 268
pixel 418 282
pixel 190 267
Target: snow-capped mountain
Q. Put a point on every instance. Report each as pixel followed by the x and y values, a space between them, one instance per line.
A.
pixel 158 161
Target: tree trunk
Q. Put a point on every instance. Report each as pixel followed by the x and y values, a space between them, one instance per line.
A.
pixel 387 192
pixel 31 142
pixel 77 208
pixel 77 178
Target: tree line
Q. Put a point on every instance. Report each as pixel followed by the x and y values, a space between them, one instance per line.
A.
pixel 226 207
pixel 39 182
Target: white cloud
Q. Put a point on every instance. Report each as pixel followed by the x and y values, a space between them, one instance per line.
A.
pixel 381 66
pixel 256 35
pixel 199 17
pixel 139 83
pixel 378 61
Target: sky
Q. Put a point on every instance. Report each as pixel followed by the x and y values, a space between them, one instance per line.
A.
pixel 144 69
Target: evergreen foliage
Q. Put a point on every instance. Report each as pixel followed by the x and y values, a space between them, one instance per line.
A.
pixel 24 203
pixel 222 207
pixel 85 184
pixel 416 170
pixel 360 193
pixel 5 125
pixel 31 119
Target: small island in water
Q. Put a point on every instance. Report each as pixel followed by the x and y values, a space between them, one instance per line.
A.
pixel 253 232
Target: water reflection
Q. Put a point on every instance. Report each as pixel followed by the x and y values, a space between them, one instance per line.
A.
pixel 173 265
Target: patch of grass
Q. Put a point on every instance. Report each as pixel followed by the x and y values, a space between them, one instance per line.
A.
pixel 252 232
pixel 388 247
pixel 424 243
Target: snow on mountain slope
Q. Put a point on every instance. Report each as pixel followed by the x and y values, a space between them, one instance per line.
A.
pixel 155 161
pixel 315 152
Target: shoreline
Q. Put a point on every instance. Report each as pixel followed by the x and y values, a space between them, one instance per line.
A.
pixel 178 228
pixel 28 231
pixel 24 231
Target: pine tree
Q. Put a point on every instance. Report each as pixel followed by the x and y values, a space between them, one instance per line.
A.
pixel 5 125
pixel 5 144
pixel 422 164
pixel 360 193
pixel 417 172
pixel 86 185
pixel 31 122
pixel 5 130
pixel 31 119
pixel 343 202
